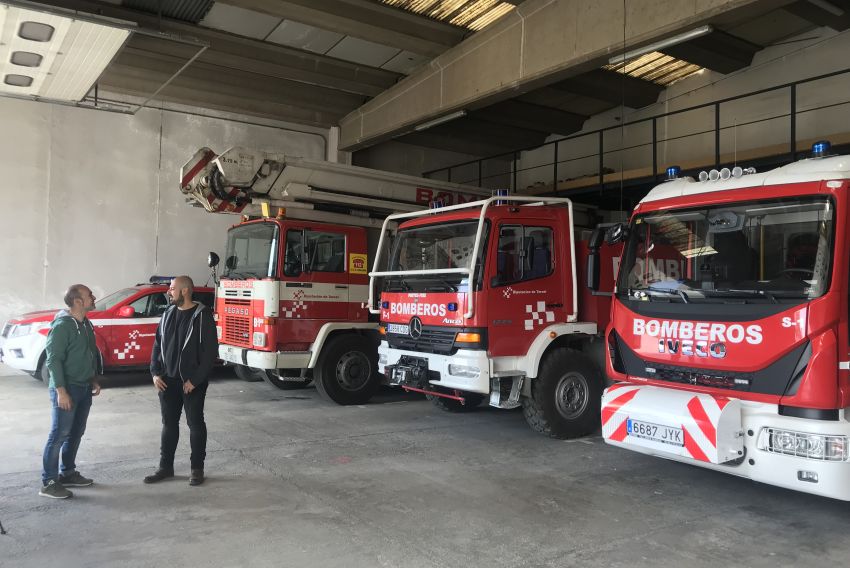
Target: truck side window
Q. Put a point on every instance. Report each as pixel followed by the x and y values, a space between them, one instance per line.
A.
pixel 524 253
pixel 294 249
pixel 325 251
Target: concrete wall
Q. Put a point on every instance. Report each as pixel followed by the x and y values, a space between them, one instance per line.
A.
pixel 817 52
pixel 93 197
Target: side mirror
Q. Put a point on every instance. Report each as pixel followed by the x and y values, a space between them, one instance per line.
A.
pixel 593 270
pixel 212 259
pixel 126 312
pixel 616 233
pixel 230 262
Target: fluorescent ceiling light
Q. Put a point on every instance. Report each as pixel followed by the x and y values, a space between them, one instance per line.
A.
pixel 62 55
pixel 660 45
pixel 440 120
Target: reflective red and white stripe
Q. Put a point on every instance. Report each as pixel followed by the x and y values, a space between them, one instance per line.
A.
pixel 710 424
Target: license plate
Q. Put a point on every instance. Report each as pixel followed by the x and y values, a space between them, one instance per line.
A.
pixel 655 432
pixel 400 328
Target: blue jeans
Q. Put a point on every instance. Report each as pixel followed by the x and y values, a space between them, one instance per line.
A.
pixel 66 431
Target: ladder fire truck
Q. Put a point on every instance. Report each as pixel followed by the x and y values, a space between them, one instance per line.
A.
pixel 729 327
pixel 290 305
pixel 483 301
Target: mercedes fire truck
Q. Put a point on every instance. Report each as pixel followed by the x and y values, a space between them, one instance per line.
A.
pixel 483 301
pixel 729 326
pixel 290 306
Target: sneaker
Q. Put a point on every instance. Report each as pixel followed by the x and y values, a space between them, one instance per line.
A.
pixel 197 477
pixel 55 490
pixel 75 480
pixel 159 475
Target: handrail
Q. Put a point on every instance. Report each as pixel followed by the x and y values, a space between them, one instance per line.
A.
pixel 473 260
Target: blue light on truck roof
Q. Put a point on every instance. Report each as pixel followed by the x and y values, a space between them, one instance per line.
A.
pixel 821 148
pixel 673 172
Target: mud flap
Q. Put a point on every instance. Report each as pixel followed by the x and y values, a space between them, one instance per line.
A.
pixel 673 423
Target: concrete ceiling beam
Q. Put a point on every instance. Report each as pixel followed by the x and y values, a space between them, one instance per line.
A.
pixel 371 21
pixel 717 51
pixel 823 14
pixel 531 116
pixel 612 87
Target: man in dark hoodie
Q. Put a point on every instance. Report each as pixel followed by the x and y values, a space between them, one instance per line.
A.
pixel 184 352
pixel 73 361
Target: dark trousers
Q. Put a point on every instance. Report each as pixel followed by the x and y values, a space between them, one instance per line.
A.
pixel 171 402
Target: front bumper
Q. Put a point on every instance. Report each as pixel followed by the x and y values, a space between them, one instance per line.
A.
pixel 264 359
pixel 24 352
pixel 748 420
pixel 438 367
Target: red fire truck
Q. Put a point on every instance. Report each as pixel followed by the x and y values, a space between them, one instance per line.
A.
pixel 729 326
pixel 290 305
pixel 482 301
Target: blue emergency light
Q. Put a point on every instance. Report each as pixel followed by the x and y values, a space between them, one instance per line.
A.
pixel 821 148
pixel 161 279
pixel 452 307
pixel 500 193
pixel 385 305
pixel 673 172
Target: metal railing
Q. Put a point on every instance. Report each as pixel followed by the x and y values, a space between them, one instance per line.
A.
pixel 596 139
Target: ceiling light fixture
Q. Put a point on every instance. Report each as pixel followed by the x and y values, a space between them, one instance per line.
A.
pixel 662 44
pixel 440 120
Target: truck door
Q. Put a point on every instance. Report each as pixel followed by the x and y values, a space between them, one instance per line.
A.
pixel 315 285
pixel 526 287
pixel 130 340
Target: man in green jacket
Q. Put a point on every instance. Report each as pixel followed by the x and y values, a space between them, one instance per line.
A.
pixel 73 361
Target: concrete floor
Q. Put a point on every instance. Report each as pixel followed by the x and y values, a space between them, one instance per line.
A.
pixel 297 482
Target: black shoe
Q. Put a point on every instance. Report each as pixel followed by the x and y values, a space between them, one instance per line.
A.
pixel 197 477
pixel 159 475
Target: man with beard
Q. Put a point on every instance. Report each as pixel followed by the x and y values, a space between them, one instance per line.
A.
pixel 184 352
pixel 73 361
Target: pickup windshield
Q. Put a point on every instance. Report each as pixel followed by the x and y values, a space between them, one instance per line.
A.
pixel 772 251
pixel 433 247
pixel 251 251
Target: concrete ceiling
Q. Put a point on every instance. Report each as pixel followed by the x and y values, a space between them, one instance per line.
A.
pixel 378 71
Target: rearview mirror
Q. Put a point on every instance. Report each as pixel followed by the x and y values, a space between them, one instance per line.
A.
pixel 616 233
pixel 126 312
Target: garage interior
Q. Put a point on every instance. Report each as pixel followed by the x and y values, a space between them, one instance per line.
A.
pixel 584 99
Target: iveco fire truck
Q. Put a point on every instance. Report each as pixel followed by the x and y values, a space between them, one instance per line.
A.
pixel 482 301
pixel 290 306
pixel 729 326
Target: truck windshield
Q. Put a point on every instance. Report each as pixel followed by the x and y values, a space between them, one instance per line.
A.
pixel 432 247
pixel 767 251
pixel 251 251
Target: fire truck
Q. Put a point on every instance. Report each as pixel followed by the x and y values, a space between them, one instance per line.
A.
pixel 290 305
pixel 482 301
pixel 729 326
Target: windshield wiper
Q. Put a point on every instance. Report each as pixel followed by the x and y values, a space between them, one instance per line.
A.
pixel 733 293
pixel 451 287
pixel 397 284
pixel 677 292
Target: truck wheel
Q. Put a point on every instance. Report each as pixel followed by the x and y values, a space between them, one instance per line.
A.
pixel 565 397
pixel 275 380
pixel 248 374
pixel 347 372
pixel 473 400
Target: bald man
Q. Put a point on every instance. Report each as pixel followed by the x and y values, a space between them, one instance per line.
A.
pixel 184 352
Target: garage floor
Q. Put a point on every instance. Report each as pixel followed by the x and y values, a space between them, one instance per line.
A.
pixel 297 482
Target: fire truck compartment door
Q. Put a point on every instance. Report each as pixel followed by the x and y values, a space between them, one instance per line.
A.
pixel 669 422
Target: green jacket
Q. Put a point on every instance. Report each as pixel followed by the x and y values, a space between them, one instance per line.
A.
pixel 72 356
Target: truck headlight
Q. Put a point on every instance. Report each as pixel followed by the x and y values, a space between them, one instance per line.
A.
pixel 465 371
pixel 821 447
pixel 218 332
pixel 21 330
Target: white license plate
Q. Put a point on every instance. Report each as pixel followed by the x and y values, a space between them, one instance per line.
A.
pixel 655 432
pixel 400 328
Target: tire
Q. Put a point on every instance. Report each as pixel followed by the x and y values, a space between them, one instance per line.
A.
pixel 275 380
pixel 41 373
pixel 473 401
pixel 566 396
pixel 248 374
pixel 347 372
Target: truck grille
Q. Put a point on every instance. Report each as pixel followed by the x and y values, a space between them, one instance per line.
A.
pixel 232 302
pixel 237 331
pixel 238 293
pixel 433 340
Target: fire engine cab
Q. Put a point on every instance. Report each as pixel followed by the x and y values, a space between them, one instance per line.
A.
pixel 481 301
pixel 729 326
